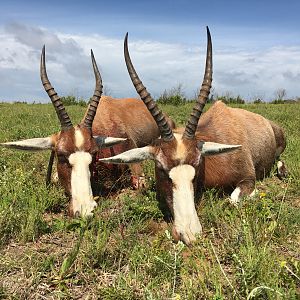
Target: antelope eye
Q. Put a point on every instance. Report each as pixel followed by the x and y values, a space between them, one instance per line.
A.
pixel 195 160
pixel 164 173
pixel 159 166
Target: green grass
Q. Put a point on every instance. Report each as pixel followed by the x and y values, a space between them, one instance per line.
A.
pixel 125 251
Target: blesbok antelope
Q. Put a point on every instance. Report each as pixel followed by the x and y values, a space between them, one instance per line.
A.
pixel 76 147
pixel 196 157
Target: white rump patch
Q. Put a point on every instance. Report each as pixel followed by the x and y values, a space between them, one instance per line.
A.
pixel 279 150
pixel 186 221
pixel 82 196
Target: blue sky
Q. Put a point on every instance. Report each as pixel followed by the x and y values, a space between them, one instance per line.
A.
pixel 256 46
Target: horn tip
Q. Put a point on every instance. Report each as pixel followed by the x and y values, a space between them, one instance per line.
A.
pixel 92 55
pixel 207 30
pixel 42 65
pixel 43 49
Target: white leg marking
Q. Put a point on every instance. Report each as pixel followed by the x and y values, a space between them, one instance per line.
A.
pixel 234 197
pixel 282 171
pixel 186 221
pixel 254 192
pixel 82 196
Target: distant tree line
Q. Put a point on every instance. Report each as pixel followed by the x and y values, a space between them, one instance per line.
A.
pixel 175 96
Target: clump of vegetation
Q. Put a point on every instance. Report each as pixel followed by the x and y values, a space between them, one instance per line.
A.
pixel 277 101
pixel 280 95
pixel 228 99
pixel 72 100
pixel 174 96
pixel 258 101
pixel 20 102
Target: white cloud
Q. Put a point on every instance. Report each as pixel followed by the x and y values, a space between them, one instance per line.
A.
pixel 160 65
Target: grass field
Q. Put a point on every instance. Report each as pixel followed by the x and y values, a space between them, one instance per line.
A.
pixel 125 251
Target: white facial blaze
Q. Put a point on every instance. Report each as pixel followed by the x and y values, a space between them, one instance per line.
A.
pixel 186 221
pixel 181 152
pixel 79 139
pixel 82 196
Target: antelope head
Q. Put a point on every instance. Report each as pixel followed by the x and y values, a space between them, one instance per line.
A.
pixel 178 156
pixel 75 146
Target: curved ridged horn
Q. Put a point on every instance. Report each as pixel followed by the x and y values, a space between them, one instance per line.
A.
pixel 92 108
pixel 61 112
pixel 192 123
pixel 163 126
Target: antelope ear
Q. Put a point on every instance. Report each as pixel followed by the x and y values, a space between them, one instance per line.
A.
pixel 103 141
pixel 209 148
pixel 31 144
pixel 131 156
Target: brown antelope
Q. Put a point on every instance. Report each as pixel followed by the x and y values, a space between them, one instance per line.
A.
pixel 76 147
pixel 197 156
